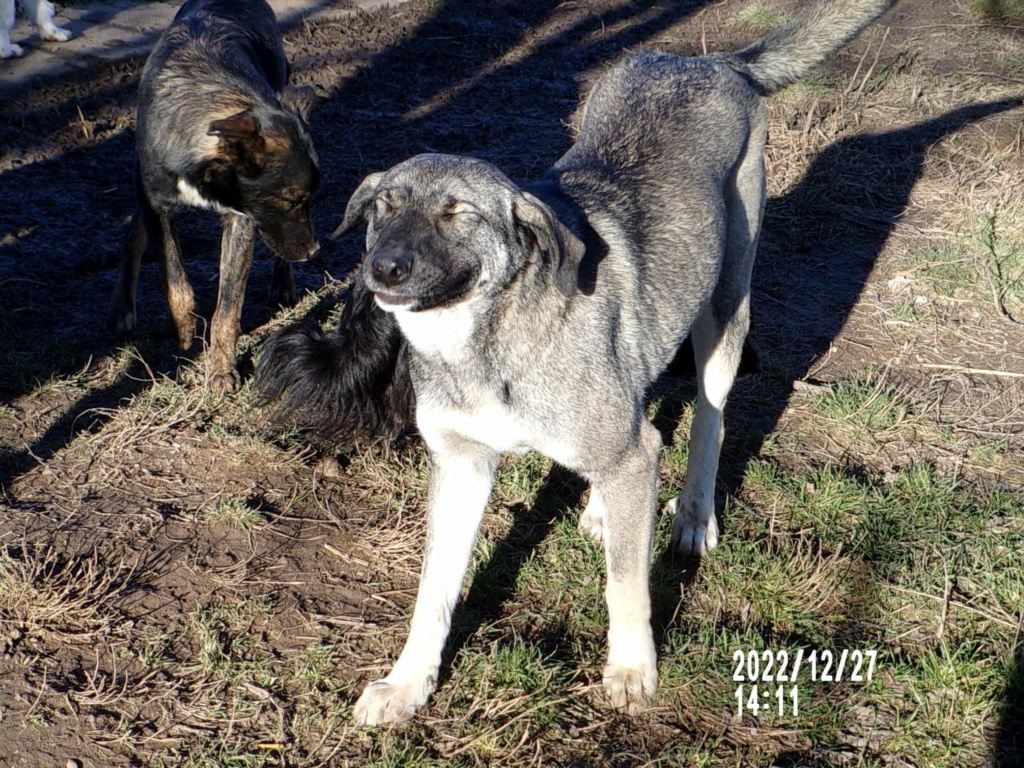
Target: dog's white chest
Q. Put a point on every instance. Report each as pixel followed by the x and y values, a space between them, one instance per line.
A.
pixel 442 333
pixel 189 195
pixel 488 422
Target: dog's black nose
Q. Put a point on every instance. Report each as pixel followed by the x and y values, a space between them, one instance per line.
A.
pixel 391 268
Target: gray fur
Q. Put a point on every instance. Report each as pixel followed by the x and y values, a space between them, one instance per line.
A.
pixel 537 318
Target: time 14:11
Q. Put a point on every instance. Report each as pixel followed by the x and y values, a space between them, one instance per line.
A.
pixel 756 702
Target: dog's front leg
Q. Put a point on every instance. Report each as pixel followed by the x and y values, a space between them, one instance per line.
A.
pixel 7 48
pixel 41 12
pixel 180 297
pixel 629 496
pixel 237 241
pixel 460 482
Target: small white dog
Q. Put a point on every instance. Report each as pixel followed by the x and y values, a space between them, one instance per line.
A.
pixel 40 12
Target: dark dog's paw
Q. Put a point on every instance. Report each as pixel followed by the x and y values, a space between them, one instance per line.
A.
pixel 226 382
pixel 122 321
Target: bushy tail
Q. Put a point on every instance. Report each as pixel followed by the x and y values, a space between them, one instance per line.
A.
pixel 349 384
pixel 795 50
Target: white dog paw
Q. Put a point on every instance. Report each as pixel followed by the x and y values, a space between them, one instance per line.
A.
pixel 691 533
pixel 630 688
pixel 383 702
pixel 55 34
pixel 592 524
pixel 14 51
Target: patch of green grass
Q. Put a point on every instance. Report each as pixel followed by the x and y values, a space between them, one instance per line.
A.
pixel 1011 64
pixel 760 19
pixel 864 408
pixel 803 92
pixel 213 753
pixel 998 10
pixel 234 512
pixel 225 638
pixel 987 267
pixel 949 269
pixel 1003 270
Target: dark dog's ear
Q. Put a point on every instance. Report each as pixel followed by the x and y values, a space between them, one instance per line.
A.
pixel 358 205
pixel 299 99
pixel 557 244
pixel 241 142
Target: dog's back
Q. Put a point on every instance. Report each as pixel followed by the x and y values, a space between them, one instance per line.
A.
pixel 217 58
pixel 654 124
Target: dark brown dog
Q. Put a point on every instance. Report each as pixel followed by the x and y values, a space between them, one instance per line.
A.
pixel 218 128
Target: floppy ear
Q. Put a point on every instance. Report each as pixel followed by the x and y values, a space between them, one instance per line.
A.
pixel 557 244
pixel 358 205
pixel 299 99
pixel 241 142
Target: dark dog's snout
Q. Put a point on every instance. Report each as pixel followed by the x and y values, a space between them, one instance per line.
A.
pixel 390 268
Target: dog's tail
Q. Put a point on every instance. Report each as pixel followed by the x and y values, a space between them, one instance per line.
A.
pixel 350 384
pixel 795 50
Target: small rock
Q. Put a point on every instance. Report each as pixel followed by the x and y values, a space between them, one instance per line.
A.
pixel 329 468
pixel 73 763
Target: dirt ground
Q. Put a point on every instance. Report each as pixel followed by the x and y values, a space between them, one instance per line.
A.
pixel 112 482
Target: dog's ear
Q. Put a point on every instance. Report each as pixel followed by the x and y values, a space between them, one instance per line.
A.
pixel 299 99
pixel 555 241
pixel 358 205
pixel 241 142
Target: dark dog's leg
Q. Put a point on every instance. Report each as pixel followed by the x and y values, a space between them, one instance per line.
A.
pixel 180 297
pixel 144 226
pixel 282 285
pixel 237 241
pixel 122 309
pixel 461 477
pixel 626 498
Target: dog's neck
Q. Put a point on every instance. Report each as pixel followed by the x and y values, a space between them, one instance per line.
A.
pixel 464 335
pixel 446 332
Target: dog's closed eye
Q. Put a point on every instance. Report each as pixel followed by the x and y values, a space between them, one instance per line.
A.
pixel 461 213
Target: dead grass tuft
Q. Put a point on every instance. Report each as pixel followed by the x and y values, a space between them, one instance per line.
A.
pixel 51 597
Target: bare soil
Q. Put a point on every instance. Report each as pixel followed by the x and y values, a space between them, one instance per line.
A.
pixel 106 479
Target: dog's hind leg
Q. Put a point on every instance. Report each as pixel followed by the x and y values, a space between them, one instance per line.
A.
pixel 460 482
pixel 592 519
pixel 629 495
pixel 718 335
pixel 237 241
pixel 123 317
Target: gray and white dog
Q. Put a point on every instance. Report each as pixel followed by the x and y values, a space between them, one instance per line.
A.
pixel 536 318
